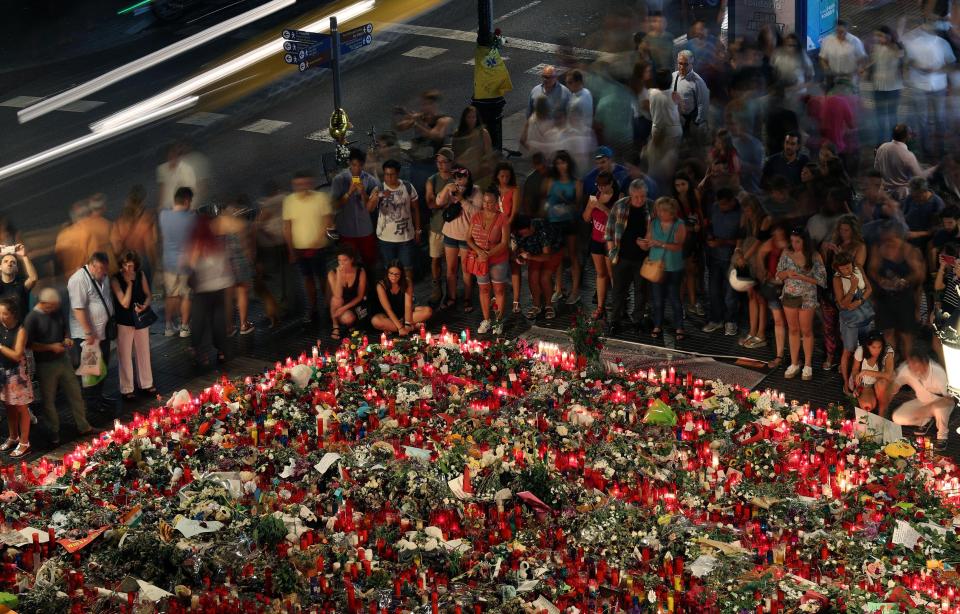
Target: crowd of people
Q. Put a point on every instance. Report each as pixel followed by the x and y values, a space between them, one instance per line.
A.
pixel 704 177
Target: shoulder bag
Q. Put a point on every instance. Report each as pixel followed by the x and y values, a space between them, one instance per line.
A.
pixel 110 330
pixel 654 270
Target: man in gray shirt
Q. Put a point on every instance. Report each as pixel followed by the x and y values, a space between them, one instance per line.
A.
pixel 91 307
pixel 556 93
pixel 694 95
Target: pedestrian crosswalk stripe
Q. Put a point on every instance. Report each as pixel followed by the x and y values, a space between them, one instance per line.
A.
pixel 324 135
pixel 424 52
pixel 20 102
pixel 265 126
pixel 80 106
pixel 201 118
pixel 509 43
pixel 536 70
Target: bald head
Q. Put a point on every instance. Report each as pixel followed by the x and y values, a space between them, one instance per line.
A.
pixel 549 77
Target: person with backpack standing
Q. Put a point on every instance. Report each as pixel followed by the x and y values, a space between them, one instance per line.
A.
pixel 398 221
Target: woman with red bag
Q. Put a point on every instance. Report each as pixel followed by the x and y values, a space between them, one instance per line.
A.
pixel 489 258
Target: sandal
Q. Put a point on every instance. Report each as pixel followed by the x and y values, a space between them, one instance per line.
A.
pixel 9 443
pixel 655 333
pixel 775 363
pixel 450 303
pixel 533 312
pixel 247 329
pixel 21 450
pixel 516 306
pixel 550 313
pixel 335 333
pixel 129 396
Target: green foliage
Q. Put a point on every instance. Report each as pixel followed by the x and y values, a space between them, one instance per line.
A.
pixel 269 531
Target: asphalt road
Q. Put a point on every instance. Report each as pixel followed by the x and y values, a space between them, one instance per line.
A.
pixel 386 74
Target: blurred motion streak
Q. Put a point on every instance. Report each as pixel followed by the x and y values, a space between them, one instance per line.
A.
pixel 99 134
pixel 148 61
pixel 227 68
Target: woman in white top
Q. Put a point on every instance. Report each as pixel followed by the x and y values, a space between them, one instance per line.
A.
pixel 540 132
pixel 872 373
pixel 886 64
pixel 460 193
pixel 666 133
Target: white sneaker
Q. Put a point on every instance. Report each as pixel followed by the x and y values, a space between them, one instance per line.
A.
pixel 169 330
pixel 807 374
pixel 791 371
pixel 484 327
pixel 573 299
pixel 730 329
pixel 184 331
pixel 557 297
pixel 712 327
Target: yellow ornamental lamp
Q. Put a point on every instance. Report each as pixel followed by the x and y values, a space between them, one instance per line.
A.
pixel 339 124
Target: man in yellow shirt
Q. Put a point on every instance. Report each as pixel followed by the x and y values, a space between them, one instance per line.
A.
pixel 308 218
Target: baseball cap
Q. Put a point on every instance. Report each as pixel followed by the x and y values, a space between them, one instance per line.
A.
pixel 446 152
pixel 603 152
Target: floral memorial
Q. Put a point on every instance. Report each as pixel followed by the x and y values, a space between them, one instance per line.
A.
pixel 448 474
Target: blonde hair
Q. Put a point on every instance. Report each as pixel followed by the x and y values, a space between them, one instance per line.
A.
pixel 668 203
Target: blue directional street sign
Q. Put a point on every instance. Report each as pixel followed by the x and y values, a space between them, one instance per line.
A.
pixel 308 49
pixel 355 44
pixel 302 36
pixel 360 32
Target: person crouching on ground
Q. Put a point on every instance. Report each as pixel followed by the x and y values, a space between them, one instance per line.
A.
pixel 396 299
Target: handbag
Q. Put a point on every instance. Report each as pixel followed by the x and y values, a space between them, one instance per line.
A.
pixel 653 270
pixel 110 330
pixel 144 319
pixel 474 265
pixel 452 211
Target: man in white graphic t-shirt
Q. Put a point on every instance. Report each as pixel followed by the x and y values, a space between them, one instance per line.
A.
pixel 398 218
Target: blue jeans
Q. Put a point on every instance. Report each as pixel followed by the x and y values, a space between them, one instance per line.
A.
pixel 930 114
pixel 724 300
pixel 886 103
pixel 668 290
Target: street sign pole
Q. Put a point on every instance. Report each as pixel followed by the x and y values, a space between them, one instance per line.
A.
pixel 335 61
pixel 490 109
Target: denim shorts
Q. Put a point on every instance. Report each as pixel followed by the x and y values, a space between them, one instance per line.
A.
pixel 404 251
pixel 455 243
pixel 500 273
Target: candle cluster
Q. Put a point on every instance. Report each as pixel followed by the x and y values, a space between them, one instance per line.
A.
pixel 447 473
